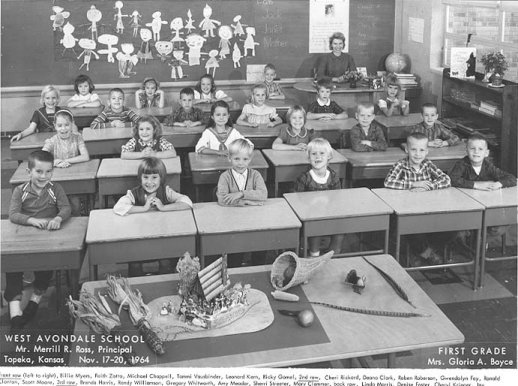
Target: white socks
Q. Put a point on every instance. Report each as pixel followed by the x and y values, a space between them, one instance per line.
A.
pixel 15 309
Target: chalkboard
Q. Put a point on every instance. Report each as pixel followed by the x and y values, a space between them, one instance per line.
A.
pixel 32 53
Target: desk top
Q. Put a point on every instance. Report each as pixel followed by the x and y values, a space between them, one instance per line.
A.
pixel 206 107
pixel 282 104
pixel 291 158
pixel 209 162
pixel 22 239
pixel 33 141
pixel 405 202
pixel 333 125
pixel 85 111
pixel 154 111
pixel 91 135
pixel 399 120
pixel 494 199
pixel 332 204
pixel 350 334
pixel 116 167
pixel 394 154
pixel 105 226
pixel 262 131
pixel 339 88
pixel 81 171
pixel 274 214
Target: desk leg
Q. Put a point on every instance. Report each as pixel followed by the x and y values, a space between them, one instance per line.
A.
pixel 398 245
pixel 391 360
pixel 477 261
pixel 483 251
pixel 276 186
pixel 386 246
pixel 197 194
pixel 304 241
pixel 93 272
pixel 59 293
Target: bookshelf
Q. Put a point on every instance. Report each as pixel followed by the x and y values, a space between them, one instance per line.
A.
pixel 472 105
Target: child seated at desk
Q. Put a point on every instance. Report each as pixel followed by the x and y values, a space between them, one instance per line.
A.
pixel 67 148
pixel 366 135
pixel 147 141
pixel 437 134
pixel 152 193
pixel 42 204
pixel 296 135
pixel 240 186
pixel 186 115
pixel 273 90
pixel 43 119
pixel 319 177
pixel 475 171
pixel 116 114
pixel 323 107
pixel 84 96
pixel 417 173
pixel 206 91
pixel 149 95
pixel 391 105
pixel 258 113
pixel 219 133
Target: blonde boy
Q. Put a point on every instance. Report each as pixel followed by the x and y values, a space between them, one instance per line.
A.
pixel 240 185
pixel 273 90
pixel 366 135
pixel 116 114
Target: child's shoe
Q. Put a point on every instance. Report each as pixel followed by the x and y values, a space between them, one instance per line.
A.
pixel 17 323
pixel 30 311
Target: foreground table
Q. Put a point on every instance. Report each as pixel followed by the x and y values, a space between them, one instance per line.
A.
pixel 288 165
pixel 206 168
pixel 26 248
pixel 433 211
pixel 76 179
pixel 377 164
pixel 500 209
pixel 113 239
pixel 116 176
pixel 346 334
pixel 245 229
pixel 340 211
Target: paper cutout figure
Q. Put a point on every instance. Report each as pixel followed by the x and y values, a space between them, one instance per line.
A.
pixel 250 43
pixel 144 52
pixel 110 41
pixel 238 27
pixel 94 16
pixel 176 65
pixel 177 25
pixel 118 16
pixel 194 42
pixel 126 60
pixel 207 24
pixel 164 49
pixel 156 25
pixel 212 63
pixel 59 17
pixel 136 17
pixel 189 26
pixel 236 56
pixel 68 41
pixel 88 47
pixel 225 33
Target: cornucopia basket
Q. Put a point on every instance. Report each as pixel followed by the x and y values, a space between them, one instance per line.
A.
pixel 304 268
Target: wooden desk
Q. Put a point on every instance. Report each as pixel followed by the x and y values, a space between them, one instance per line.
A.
pixel 206 168
pixel 76 179
pixel 224 229
pixel 332 130
pixel 158 112
pixel 21 149
pixel 396 128
pixel 501 209
pixel 113 239
pixel 83 116
pixel 116 176
pixel 433 211
pixel 26 248
pixel 288 165
pixel 377 164
pixel 263 136
pixel 340 211
pixel 350 335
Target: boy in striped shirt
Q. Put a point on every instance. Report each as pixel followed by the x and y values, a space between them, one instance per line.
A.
pixel 116 114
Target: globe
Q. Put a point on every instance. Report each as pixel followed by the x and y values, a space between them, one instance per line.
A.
pixel 397 62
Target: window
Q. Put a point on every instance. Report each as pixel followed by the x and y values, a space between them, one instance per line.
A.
pixel 493 26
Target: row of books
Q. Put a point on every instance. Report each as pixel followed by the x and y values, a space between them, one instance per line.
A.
pixel 407 80
pixel 491 108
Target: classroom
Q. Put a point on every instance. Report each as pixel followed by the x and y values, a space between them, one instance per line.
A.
pixel 247 172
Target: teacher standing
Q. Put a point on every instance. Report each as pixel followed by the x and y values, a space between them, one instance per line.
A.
pixel 334 65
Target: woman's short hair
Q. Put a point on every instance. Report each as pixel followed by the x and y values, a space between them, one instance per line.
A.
pixel 336 35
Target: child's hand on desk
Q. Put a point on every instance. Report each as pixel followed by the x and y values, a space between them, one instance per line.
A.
pixel 366 142
pixel 40 223
pixel 148 152
pixel 223 153
pixel 117 123
pixel 328 117
pixel 54 224
pixel 231 198
pixel 420 186
pixel 487 185
pixel 253 124
pixel 61 163
pixel 16 137
pixel 251 203
pixel 301 146
pixel 436 143
pixel 157 203
pixel 188 123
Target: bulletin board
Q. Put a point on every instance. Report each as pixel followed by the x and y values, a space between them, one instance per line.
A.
pixel 37 50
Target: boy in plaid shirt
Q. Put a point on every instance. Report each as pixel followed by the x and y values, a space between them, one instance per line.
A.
pixel 418 174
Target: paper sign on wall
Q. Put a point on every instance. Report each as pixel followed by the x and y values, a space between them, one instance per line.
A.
pixel 463 60
pixel 325 18
pixel 416 29
pixel 255 73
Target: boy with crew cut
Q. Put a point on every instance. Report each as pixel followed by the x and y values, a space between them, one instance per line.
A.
pixel 116 114
pixel 438 135
pixel 186 115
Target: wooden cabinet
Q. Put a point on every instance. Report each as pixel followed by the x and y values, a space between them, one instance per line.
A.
pixel 472 105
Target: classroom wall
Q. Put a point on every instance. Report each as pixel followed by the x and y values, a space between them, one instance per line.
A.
pixel 425 56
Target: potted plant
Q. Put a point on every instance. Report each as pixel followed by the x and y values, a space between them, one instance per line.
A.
pixel 352 77
pixel 495 65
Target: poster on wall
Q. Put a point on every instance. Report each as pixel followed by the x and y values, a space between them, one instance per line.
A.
pixel 463 61
pixel 325 18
